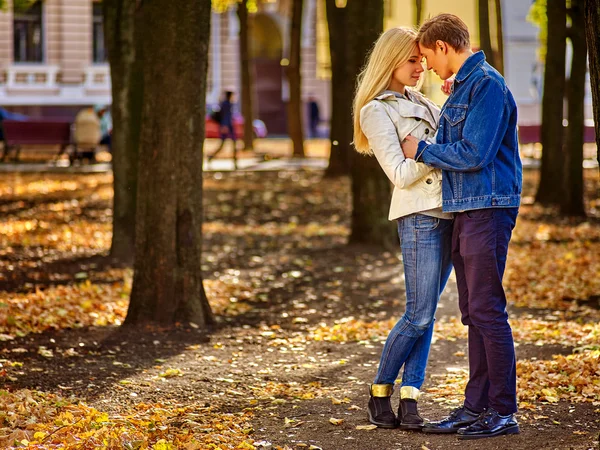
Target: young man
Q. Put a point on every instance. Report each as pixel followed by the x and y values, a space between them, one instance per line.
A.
pixel 478 152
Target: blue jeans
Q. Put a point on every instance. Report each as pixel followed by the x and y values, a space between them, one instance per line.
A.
pixel 426 244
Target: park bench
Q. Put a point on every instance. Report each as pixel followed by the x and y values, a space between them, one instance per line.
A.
pixel 18 133
pixel 531 134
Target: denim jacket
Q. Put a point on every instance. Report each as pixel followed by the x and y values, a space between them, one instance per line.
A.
pixel 476 144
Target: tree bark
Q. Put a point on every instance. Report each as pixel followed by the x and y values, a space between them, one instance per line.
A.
pixel 167 282
pixel 418 12
pixel 551 172
pixel 370 187
pixel 247 75
pixel 127 91
pixel 592 30
pixel 485 41
pixel 340 131
pixel 572 197
pixel 295 81
pixel 499 54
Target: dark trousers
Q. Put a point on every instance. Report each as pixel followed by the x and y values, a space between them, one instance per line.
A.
pixel 479 248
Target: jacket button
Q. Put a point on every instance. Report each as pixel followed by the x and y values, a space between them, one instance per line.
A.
pixel 418 119
pixel 426 130
pixel 428 181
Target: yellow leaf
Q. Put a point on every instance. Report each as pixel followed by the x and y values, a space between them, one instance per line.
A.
pixel 366 427
pixel 336 421
pixel 39 435
pixel 246 446
pixel 169 373
pixel 163 445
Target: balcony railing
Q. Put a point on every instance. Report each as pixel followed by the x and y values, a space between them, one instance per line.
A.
pixel 97 78
pixel 32 77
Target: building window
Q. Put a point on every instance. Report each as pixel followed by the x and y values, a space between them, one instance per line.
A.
pixel 99 51
pixel 28 33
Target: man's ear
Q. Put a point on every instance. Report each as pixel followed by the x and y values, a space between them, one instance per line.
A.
pixel 442 46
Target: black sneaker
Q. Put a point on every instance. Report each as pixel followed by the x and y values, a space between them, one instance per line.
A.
pixel 459 418
pixel 490 424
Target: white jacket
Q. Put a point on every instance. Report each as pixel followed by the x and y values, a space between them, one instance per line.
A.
pixel 386 121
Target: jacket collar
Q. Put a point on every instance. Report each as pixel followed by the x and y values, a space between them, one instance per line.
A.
pixel 411 109
pixel 472 62
pixel 389 95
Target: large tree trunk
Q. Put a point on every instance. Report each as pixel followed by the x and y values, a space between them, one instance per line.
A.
pixel 247 75
pixel 295 81
pixel 485 41
pixel 340 132
pixel 126 72
pixel 370 187
pixel 418 12
pixel 572 196
pixel 592 29
pixel 551 173
pixel 167 282
pixel 499 54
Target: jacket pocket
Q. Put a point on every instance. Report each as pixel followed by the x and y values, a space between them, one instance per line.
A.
pixel 455 116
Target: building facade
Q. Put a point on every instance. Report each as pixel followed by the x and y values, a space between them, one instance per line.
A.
pixel 53 60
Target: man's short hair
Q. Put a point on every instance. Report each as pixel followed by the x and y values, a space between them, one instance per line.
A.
pixel 447 28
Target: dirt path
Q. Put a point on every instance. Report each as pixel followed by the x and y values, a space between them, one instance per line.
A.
pixel 303 317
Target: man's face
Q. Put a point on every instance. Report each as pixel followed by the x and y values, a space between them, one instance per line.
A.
pixel 437 61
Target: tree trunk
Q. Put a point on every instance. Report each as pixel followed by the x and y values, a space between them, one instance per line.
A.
pixel 485 41
pixel 126 72
pixel 572 195
pixel 499 55
pixel 592 29
pixel 167 282
pixel 295 81
pixel 370 187
pixel 418 12
pixel 340 132
pixel 247 75
pixel 551 172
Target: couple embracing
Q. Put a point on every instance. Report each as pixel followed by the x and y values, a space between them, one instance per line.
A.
pixel 457 185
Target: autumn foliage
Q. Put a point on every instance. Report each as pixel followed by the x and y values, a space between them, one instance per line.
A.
pixel 279 280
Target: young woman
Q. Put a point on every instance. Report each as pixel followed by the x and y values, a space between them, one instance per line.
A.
pixel 386 110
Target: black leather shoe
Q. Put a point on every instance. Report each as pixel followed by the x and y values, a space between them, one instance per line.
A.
pixel 490 424
pixel 408 415
pixel 459 418
pixel 379 409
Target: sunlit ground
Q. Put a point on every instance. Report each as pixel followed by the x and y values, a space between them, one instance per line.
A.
pixel 552 280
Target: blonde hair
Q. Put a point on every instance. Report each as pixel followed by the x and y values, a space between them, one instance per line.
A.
pixel 393 48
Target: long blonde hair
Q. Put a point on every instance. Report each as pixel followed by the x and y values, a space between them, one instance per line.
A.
pixel 393 48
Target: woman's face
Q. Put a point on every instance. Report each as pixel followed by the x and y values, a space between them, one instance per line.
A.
pixel 408 73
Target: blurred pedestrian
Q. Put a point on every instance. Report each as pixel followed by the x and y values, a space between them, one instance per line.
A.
pixel 226 125
pixel 106 125
pixel 87 135
pixel 313 116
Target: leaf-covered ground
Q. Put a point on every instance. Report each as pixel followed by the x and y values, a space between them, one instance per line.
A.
pixel 302 319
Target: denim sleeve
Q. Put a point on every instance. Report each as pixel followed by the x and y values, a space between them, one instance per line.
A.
pixel 485 125
pixel 384 141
